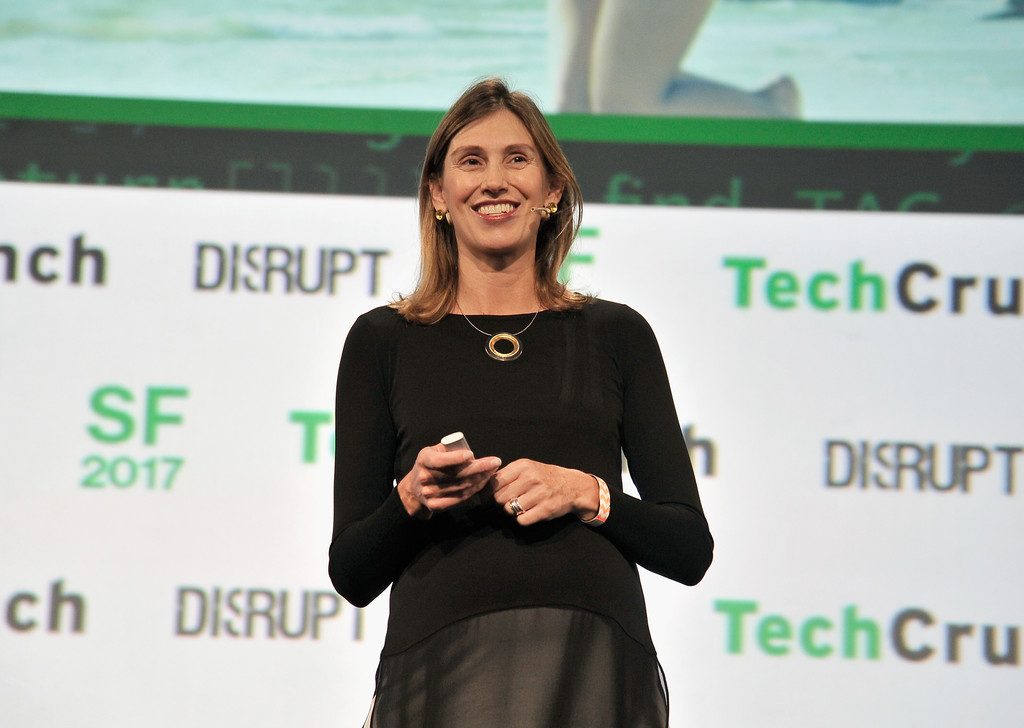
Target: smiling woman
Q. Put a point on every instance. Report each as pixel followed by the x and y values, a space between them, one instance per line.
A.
pixel 492 189
pixel 494 146
pixel 515 597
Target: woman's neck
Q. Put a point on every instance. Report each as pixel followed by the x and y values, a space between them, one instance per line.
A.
pixel 486 290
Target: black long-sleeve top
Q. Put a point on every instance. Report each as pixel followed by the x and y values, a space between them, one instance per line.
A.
pixel 589 386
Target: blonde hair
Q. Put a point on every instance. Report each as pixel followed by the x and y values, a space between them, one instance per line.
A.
pixel 437 287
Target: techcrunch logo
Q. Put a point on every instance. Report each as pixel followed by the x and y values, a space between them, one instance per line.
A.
pixel 242 613
pixel 77 264
pixel 917 287
pixel 280 269
pixel 58 611
pixel 920 466
pixel 912 634
pixel 316 441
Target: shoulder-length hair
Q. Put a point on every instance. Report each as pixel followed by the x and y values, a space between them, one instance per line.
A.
pixel 437 287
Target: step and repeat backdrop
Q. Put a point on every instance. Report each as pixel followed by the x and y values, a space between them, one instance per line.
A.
pixel 838 296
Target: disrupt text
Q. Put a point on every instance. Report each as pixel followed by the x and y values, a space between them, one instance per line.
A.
pixel 257 613
pixel 281 269
pixel 918 466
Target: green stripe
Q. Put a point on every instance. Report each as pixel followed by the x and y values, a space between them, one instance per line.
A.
pixel 575 127
pixel 99 109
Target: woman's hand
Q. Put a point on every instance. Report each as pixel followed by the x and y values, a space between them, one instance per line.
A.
pixel 544 491
pixel 440 479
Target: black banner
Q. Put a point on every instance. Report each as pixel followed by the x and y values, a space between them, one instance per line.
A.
pixel 611 172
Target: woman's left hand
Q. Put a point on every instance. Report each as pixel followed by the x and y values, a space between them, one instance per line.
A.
pixel 544 491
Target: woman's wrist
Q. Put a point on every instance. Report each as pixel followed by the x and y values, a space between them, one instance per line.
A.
pixel 587 500
pixel 412 505
pixel 599 515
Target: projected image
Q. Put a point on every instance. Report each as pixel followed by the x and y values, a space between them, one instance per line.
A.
pixel 948 61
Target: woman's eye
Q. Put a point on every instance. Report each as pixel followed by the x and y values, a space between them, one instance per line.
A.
pixel 518 159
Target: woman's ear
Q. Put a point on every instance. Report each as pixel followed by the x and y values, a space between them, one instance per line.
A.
pixel 435 194
pixel 555 188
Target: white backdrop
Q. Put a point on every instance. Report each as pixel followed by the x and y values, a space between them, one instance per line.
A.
pixel 166 464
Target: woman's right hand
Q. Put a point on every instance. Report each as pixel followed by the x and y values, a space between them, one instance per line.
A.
pixel 440 479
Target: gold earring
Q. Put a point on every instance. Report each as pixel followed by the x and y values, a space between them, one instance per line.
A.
pixel 438 215
pixel 545 212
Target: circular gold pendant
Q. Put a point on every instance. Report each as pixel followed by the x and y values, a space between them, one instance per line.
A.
pixel 492 347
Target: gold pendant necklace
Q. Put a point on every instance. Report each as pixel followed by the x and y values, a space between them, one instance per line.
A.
pixel 503 336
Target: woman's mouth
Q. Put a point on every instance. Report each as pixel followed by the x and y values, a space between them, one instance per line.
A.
pixel 495 209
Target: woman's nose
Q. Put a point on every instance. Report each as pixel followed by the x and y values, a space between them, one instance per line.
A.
pixel 494 178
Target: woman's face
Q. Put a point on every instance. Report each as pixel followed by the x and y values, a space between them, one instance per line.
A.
pixel 491 177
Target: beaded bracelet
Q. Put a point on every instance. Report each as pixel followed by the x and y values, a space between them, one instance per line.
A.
pixel 604 504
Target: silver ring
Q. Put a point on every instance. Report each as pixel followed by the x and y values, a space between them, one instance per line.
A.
pixel 517 510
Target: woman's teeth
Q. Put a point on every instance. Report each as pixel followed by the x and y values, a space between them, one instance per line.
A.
pixel 498 209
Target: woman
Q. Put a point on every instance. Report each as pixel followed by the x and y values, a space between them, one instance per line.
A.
pixel 515 597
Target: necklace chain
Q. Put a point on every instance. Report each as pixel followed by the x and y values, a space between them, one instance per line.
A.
pixel 535 314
